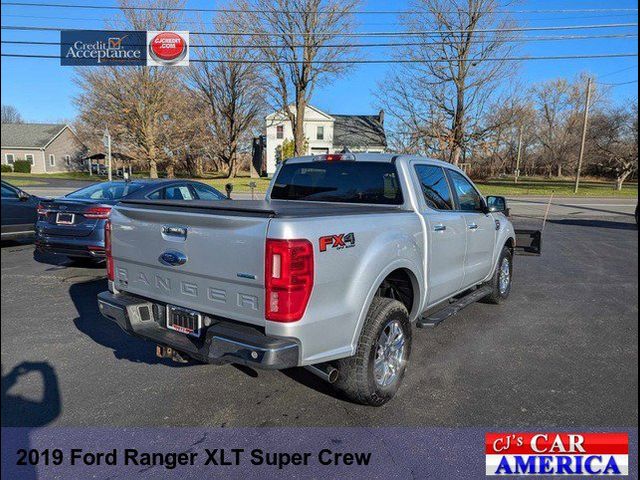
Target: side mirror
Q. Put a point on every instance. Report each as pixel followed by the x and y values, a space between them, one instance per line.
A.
pixel 497 204
pixel 23 196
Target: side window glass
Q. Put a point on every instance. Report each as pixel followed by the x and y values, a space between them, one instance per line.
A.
pixel 469 199
pixel 8 192
pixel 157 195
pixel 181 192
pixel 206 193
pixel 435 187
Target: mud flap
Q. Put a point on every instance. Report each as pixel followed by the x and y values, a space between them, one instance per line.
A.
pixel 528 242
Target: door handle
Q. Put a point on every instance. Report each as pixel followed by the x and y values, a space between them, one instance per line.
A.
pixel 439 228
pixel 472 226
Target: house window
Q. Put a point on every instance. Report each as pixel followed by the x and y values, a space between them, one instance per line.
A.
pixel 320 133
pixel 280 131
pixel 29 158
pixel 52 160
pixel 9 158
pixel 67 160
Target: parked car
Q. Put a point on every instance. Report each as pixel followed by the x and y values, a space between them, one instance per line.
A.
pixel 73 225
pixel 346 256
pixel 18 212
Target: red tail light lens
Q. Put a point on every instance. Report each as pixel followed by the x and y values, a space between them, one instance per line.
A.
pixel 42 209
pixel 107 250
pixel 97 212
pixel 288 279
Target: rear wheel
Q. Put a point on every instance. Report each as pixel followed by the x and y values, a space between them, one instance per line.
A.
pixel 501 280
pixel 373 375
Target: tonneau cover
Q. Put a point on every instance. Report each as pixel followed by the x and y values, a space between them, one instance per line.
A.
pixel 263 208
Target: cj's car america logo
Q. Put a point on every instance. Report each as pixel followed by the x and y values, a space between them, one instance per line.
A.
pixel 123 48
pixel 569 454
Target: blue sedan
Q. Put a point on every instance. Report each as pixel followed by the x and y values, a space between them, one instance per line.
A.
pixel 73 225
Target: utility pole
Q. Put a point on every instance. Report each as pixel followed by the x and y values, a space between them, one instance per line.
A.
pixel 107 143
pixel 517 173
pixel 585 123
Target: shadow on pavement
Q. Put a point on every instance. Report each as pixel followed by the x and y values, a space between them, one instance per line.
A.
pixel 595 223
pixel 105 332
pixel 18 411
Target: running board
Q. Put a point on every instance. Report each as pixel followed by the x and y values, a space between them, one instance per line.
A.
pixel 441 315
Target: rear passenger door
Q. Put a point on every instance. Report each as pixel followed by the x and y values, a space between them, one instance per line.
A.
pixel 480 226
pixel 446 233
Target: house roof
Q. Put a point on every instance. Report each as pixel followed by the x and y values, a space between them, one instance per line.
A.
pixel 354 131
pixel 29 135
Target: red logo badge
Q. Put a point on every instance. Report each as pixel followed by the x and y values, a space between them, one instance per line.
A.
pixel 168 47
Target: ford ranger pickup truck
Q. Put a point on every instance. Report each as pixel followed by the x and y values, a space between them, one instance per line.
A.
pixel 331 272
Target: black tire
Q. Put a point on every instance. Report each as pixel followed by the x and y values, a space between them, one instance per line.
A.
pixel 498 295
pixel 356 376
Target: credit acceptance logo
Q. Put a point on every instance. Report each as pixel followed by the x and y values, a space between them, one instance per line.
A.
pixel 568 454
pixel 123 48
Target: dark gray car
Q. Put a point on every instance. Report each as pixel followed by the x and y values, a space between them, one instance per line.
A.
pixel 18 212
pixel 73 225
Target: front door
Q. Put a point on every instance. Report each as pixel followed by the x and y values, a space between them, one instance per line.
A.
pixel 480 227
pixel 446 234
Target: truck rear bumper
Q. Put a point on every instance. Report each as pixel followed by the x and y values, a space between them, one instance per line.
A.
pixel 222 342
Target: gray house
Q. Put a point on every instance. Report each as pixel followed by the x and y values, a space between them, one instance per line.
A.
pixel 49 147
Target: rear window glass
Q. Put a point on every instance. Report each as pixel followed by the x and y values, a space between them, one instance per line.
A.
pixel 106 191
pixel 340 181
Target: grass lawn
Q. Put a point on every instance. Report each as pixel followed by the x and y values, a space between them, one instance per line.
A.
pixel 35 179
pixel 240 184
pixel 560 188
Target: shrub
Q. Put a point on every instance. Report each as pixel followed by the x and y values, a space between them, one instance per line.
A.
pixel 6 168
pixel 22 166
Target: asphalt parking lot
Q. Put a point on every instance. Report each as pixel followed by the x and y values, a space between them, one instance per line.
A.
pixel 563 351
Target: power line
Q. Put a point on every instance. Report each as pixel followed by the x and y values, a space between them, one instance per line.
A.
pixel 377 61
pixel 365 45
pixel 617 84
pixel 97 19
pixel 323 12
pixel 618 71
pixel 369 34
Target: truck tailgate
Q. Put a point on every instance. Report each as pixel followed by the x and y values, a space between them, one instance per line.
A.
pixel 224 269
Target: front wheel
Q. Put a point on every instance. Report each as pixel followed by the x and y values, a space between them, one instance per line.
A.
pixel 373 375
pixel 501 280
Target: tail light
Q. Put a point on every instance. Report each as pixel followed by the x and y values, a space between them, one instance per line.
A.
pixel 42 209
pixel 335 157
pixel 97 212
pixel 107 251
pixel 288 279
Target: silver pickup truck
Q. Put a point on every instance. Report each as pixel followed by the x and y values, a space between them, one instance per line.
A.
pixel 331 272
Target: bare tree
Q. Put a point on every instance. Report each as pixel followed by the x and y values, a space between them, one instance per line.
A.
pixel 231 94
pixel 559 104
pixel 134 102
pixel 613 139
pixel 295 37
pixel 443 96
pixel 10 114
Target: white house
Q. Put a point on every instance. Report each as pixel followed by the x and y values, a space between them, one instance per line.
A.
pixel 325 133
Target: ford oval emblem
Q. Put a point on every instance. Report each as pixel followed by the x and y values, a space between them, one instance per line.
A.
pixel 173 258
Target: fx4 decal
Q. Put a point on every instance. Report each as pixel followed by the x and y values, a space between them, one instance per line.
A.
pixel 339 241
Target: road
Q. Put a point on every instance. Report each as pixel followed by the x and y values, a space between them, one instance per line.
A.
pixel 526 207
pixel 561 352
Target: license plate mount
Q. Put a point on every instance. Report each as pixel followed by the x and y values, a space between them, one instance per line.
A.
pixel 65 218
pixel 184 320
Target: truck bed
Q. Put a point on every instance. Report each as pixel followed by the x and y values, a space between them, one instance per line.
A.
pixel 262 208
